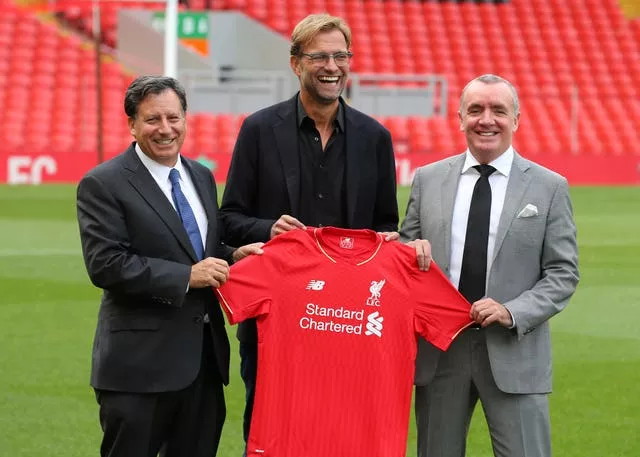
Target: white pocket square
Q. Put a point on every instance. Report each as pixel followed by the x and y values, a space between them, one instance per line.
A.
pixel 528 211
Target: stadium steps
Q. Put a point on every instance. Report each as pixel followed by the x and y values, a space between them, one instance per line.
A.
pixel 576 67
pixel 48 87
pixel 565 58
pixel 575 64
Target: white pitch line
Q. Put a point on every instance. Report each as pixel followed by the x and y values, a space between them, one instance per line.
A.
pixel 38 252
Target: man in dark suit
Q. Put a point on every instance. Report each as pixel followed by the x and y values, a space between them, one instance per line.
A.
pixel 150 240
pixel 310 160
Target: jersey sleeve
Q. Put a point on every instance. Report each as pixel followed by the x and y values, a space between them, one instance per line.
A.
pixel 441 312
pixel 248 291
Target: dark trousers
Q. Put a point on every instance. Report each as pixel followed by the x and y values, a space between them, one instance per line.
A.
pixel 184 423
pixel 248 370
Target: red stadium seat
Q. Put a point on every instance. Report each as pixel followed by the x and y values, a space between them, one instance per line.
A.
pixel 547 48
pixel 399 128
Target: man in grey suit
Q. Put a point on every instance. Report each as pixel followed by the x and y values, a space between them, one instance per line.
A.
pixel 502 228
pixel 151 241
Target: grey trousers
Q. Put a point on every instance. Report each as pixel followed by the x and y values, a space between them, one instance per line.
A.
pixel 519 424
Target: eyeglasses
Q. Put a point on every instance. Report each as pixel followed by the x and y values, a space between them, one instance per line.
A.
pixel 322 58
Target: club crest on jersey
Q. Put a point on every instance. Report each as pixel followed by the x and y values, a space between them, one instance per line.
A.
pixel 346 242
pixel 315 284
pixel 375 288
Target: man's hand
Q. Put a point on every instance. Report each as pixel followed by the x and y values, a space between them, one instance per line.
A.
pixel 285 224
pixel 390 236
pixel 486 311
pixel 209 272
pixel 423 253
pixel 247 249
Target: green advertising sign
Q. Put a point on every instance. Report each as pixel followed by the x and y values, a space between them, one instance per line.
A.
pixel 190 24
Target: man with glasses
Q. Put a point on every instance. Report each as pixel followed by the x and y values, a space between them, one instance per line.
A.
pixel 311 160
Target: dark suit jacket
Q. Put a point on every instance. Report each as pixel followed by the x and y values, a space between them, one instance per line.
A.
pixel 264 177
pixel 150 330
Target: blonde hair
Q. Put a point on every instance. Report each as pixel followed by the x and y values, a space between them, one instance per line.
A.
pixel 307 29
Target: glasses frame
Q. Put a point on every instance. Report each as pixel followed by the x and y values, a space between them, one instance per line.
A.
pixel 322 58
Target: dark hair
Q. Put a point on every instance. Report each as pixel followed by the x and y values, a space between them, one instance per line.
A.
pixel 143 86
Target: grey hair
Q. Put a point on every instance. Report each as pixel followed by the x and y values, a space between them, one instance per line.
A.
pixel 493 79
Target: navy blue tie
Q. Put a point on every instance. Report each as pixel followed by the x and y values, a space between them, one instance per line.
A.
pixel 186 213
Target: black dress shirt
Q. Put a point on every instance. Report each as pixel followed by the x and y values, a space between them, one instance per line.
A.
pixel 322 188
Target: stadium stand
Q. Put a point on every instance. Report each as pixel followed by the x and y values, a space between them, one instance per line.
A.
pixel 576 65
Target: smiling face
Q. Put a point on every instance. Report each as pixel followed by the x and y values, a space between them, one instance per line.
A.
pixel 488 119
pixel 159 127
pixel 322 82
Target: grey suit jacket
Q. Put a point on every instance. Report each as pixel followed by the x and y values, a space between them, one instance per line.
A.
pixel 149 336
pixel 534 270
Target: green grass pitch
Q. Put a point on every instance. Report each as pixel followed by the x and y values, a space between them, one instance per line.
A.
pixel 48 311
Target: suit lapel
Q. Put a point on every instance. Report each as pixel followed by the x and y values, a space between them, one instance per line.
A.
pixel 354 158
pixel 447 200
pixel 516 187
pixel 285 130
pixel 146 186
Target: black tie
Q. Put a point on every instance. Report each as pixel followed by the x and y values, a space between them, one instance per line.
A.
pixel 473 275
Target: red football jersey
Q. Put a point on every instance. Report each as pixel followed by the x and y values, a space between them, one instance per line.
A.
pixel 338 312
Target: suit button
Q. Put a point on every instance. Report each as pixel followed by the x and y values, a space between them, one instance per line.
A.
pixel 197 319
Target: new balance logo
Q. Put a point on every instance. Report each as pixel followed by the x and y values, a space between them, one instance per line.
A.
pixel 315 284
pixel 374 325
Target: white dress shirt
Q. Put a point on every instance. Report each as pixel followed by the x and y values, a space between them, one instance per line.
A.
pixel 160 174
pixel 498 182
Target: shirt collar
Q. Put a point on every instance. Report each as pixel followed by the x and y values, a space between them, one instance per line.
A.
pixel 160 171
pixel 302 114
pixel 502 164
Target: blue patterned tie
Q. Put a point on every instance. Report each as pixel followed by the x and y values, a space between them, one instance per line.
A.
pixel 186 213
